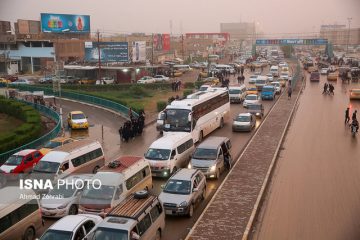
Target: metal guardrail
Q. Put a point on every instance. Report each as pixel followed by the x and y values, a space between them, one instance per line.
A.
pixel 80 97
pixel 43 139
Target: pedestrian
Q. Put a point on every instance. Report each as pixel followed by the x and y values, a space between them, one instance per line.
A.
pixel 325 88
pixel 242 70
pixel 354 115
pixel 239 79
pixel 130 113
pixel 179 85
pixel 347 115
pixel 289 92
pixel 173 86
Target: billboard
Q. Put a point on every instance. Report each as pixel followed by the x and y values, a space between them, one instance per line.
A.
pixel 5 26
pixel 161 42
pixel 316 41
pixel 58 23
pixel 139 51
pixel 109 51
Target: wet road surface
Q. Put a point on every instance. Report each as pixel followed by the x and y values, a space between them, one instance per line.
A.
pixel 176 227
pixel 315 191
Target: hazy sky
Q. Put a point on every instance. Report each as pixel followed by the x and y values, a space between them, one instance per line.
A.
pixel 274 16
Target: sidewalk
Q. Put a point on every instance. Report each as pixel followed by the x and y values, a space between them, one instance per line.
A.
pixel 228 213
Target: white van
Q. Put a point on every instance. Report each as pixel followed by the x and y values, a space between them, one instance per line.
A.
pixel 169 153
pixel 182 68
pixel 20 214
pixel 140 216
pixel 84 156
pixel 237 93
pixel 118 179
pixel 261 81
pixel 274 70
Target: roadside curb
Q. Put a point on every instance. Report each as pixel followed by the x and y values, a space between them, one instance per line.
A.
pixel 267 179
pixel 106 109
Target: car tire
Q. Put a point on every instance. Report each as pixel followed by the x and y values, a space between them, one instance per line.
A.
pixel 201 136
pixel 191 210
pixel 141 194
pixel 203 194
pixel 73 210
pixel 173 171
pixel 217 174
pixel 96 169
pixel 221 123
pixel 29 234
pixel 158 235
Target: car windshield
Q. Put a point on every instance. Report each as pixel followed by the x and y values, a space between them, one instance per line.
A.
pixel 14 160
pixel 177 120
pixel 103 193
pixel 206 154
pixel 253 77
pixel 56 235
pixel 254 107
pixel 110 233
pixel 260 81
pixel 242 119
pixel 177 187
pixel 46 167
pixel 157 154
pixel 52 144
pixel 251 89
pixel 234 91
pixel 203 89
pixel 268 89
pixel 65 191
pixel 78 116
pixel 251 97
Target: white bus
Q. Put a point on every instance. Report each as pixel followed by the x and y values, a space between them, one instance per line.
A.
pixel 200 113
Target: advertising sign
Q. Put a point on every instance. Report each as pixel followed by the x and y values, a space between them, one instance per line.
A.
pixel 166 42
pixel 109 51
pixel 139 51
pixel 161 42
pixel 316 41
pixel 65 23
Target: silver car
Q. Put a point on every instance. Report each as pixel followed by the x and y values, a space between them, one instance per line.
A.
pixel 64 199
pixel 244 122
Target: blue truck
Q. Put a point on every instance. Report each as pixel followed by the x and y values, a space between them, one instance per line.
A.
pixel 268 93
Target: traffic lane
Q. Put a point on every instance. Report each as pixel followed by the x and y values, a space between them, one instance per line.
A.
pixel 104 126
pixel 313 194
pixel 178 227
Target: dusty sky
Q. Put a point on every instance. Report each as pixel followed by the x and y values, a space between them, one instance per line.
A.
pixel 151 16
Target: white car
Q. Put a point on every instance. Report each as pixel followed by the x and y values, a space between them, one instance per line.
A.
pixel 146 79
pixel 283 64
pixel 277 86
pixel 284 76
pixel 324 71
pixel 251 99
pixel 105 80
pixel 270 77
pixel 72 227
pixel 183 191
pixel 54 207
pixel 161 78
pixel 252 79
pixel 21 81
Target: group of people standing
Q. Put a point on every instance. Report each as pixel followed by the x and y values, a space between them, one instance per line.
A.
pixel 328 89
pixel 176 85
pixel 353 118
pixel 132 127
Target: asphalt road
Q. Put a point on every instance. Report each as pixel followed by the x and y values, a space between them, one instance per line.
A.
pixel 315 191
pixel 176 227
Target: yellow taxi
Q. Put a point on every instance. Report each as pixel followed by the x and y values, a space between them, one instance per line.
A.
pixel 177 74
pixel 354 93
pixel 251 89
pixel 54 143
pixel 3 80
pixel 77 120
pixel 211 80
pixel 204 74
pixel 332 76
pixel 282 82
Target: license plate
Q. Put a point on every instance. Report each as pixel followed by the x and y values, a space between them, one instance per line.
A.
pixel 167 125
pixel 168 212
pixel 46 213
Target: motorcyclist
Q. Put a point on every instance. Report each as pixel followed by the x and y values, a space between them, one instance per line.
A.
pixel 355 124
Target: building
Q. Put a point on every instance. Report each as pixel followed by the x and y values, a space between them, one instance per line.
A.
pixel 340 34
pixel 240 30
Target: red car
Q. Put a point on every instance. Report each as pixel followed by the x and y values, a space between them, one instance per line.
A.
pixel 315 76
pixel 22 162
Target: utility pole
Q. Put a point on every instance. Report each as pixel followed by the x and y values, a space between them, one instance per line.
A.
pixel 348 38
pixel 182 46
pixel 152 49
pixel 99 62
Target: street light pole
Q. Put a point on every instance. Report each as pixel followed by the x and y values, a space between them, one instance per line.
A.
pixel 348 38
pixel 99 51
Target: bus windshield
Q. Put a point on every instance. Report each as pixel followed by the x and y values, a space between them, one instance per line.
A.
pixel 177 120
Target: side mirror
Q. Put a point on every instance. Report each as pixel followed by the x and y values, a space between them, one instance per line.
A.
pixel 189 117
pixel 162 186
pixel 195 190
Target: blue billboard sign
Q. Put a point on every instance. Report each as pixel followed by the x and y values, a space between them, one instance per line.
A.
pixel 57 23
pixel 109 51
pixel 315 41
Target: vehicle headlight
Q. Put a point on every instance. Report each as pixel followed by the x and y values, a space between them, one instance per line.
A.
pixel 213 168
pixel 189 166
pixel 62 206
pixel 183 204
pixel 257 114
